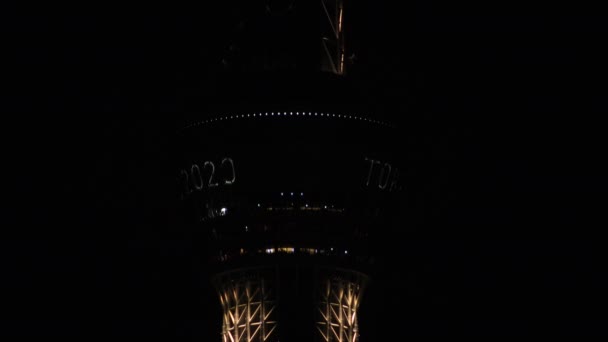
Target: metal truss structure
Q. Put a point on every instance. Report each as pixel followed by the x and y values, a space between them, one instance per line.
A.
pixel 337 309
pixel 243 50
pixel 332 36
pixel 249 309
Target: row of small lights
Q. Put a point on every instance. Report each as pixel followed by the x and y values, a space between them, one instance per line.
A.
pixel 241 116
pixel 301 194
pixel 292 250
pixel 259 206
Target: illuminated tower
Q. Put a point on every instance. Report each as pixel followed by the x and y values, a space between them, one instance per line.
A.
pixel 288 176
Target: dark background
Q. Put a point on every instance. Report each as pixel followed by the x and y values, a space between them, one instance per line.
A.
pixel 502 104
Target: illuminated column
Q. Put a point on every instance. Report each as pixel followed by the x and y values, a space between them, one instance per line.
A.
pixel 339 299
pixel 249 308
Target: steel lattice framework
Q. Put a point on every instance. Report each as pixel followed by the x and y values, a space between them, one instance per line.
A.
pixel 249 310
pixel 332 38
pixel 337 310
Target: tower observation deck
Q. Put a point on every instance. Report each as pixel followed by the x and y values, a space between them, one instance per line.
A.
pixel 287 175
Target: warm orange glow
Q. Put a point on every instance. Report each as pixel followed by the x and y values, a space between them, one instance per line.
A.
pixel 248 310
pixel 310 251
pixel 338 311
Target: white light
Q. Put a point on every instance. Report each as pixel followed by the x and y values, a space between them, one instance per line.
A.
pixel 272 114
pixel 345 252
pixel 246 228
pixel 325 207
pixel 307 206
pixel 223 211
pixel 292 194
pixel 301 194
pixel 332 249
pixel 258 205
pixel 281 194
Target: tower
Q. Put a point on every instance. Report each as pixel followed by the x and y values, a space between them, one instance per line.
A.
pixel 287 175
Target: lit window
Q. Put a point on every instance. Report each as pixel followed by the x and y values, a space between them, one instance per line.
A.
pixel 310 251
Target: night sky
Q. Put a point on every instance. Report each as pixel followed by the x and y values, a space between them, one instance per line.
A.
pixel 503 104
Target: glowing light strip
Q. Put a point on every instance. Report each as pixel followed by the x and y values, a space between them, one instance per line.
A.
pixel 279 114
